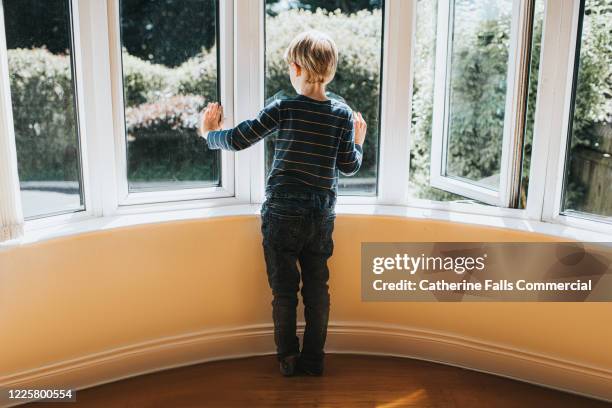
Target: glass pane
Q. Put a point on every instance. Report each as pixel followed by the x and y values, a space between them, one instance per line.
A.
pixel 588 179
pixel 356 27
pixel 477 89
pixel 422 105
pixel 39 42
pixel 170 71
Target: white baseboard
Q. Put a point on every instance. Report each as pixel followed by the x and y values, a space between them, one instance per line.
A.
pixel 343 337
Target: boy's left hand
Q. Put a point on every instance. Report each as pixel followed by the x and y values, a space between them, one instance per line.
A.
pixel 212 118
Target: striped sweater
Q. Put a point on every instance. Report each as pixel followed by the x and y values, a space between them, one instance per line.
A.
pixel 315 141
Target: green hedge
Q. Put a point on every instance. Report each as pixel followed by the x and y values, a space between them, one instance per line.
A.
pixel 43 114
pixel 45 121
pixel 163 145
pixel 478 155
pixel 144 82
pixel 45 96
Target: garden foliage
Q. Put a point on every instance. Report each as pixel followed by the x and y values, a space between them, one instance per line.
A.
pixel 161 100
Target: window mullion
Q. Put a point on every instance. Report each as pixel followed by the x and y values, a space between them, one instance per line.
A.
pixel 11 213
pixel 396 110
pixel 229 170
pixel 120 148
pixel 516 101
pixel 440 101
pixel 91 44
pixel 249 91
pixel 552 109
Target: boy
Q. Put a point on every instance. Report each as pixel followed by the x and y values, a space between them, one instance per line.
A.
pixel 317 138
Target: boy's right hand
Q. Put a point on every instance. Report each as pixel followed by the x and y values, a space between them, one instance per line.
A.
pixel 361 127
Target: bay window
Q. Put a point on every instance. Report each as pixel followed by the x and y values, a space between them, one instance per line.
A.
pixel 496 107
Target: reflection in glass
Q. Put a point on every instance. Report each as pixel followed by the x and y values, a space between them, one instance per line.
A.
pixel 478 69
pixel 169 73
pixel 39 41
pixel 422 105
pixel 588 180
pixel 356 26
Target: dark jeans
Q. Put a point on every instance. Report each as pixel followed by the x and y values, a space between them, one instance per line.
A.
pixel 297 227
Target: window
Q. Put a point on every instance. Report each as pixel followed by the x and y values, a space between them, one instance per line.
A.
pixel 356 26
pixel 143 70
pixel 588 172
pixel 481 86
pixel 42 81
pixel 423 103
pixel 477 90
pixel 170 71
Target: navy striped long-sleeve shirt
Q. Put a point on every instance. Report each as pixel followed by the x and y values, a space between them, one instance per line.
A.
pixel 315 141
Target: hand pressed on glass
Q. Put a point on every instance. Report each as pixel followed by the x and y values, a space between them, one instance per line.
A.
pixel 360 128
pixel 212 118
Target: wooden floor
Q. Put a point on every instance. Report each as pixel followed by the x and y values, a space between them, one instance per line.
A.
pixel 349 381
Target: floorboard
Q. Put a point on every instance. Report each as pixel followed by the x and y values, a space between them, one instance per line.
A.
pixel 349 381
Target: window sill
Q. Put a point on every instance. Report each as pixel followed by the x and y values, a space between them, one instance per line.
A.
pixel 93 224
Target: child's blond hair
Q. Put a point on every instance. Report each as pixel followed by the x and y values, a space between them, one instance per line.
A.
pixel 316 53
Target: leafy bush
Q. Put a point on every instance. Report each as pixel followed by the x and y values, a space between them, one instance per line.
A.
pixel 157 113
pixel 478 101
pixel 594 84
pixel 143 81
pixel 164 115
pixel 43 114
pixel 422 104
pixel 163 145
pixel 474 158
pixel 198 75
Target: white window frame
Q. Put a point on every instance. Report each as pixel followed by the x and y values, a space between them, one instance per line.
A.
pixel 53 219
pixel 552 120
pixel 518 64
pixel 11 214
pixel 395 104
pixel 249 56
pixel 225 72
